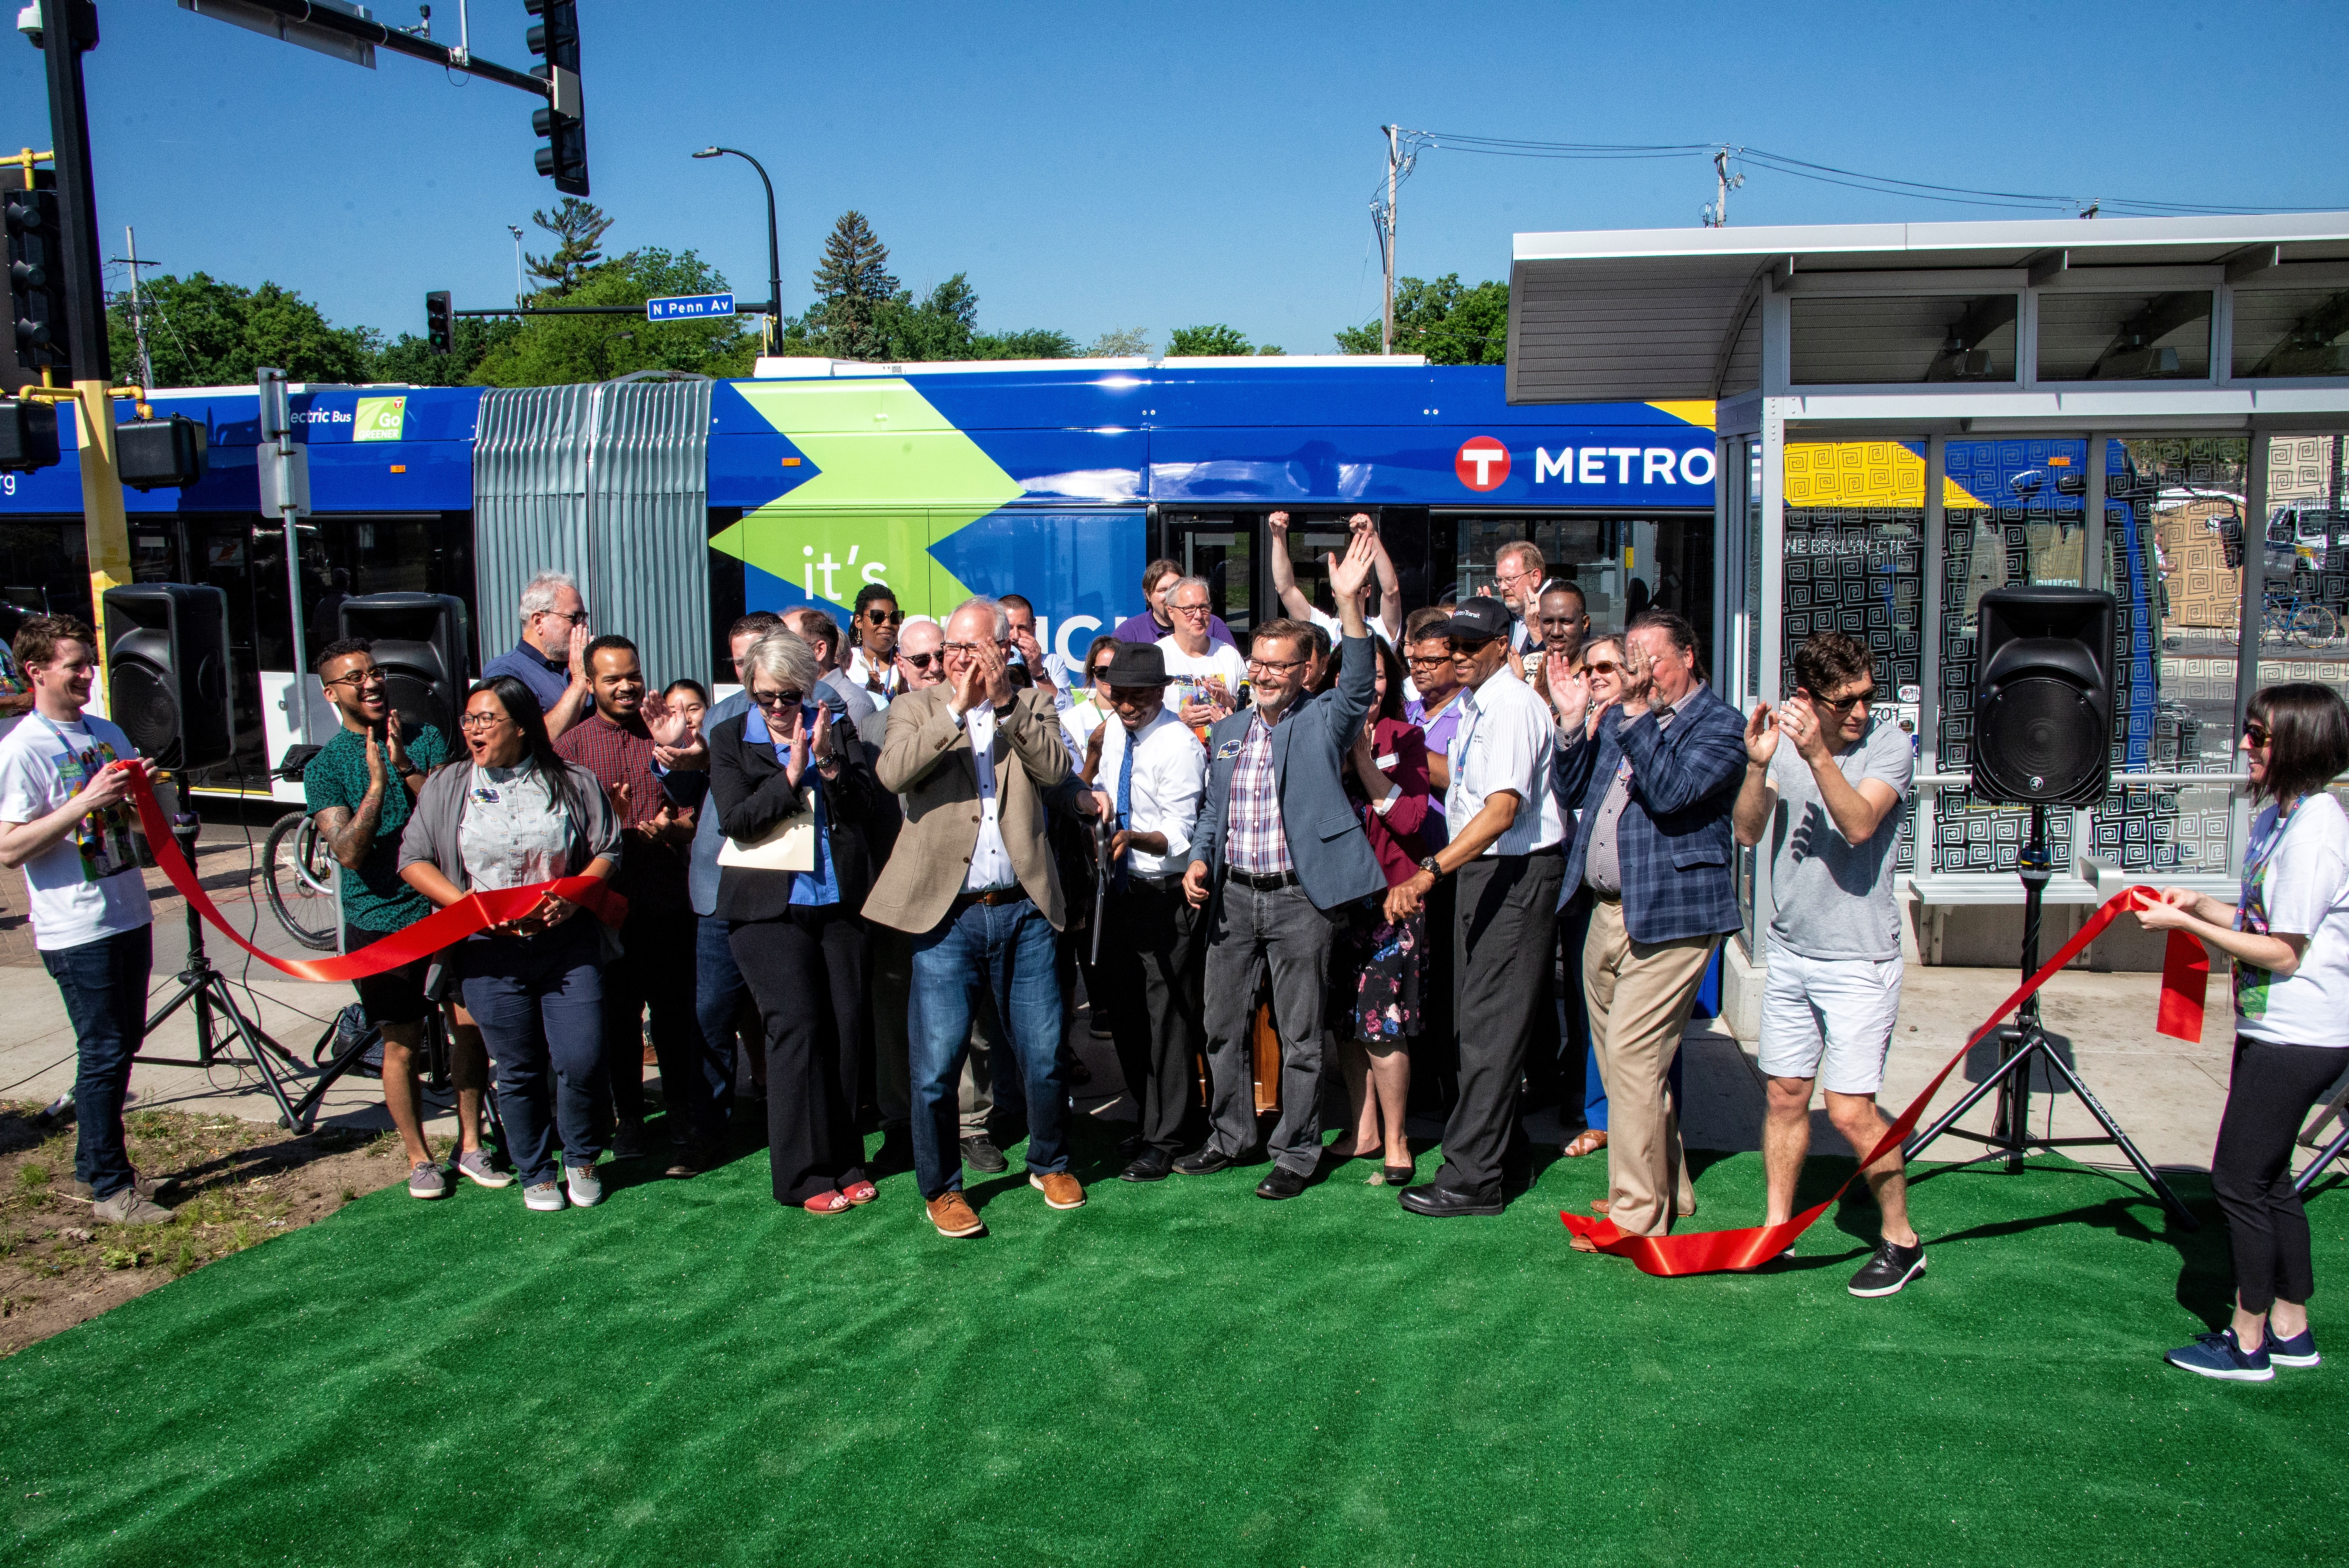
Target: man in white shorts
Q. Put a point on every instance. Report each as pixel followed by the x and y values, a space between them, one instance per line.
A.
pixel 1831 799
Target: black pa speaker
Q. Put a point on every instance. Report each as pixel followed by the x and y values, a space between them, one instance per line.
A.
pixel 421 645
pixel 2044 697
pixel 167 672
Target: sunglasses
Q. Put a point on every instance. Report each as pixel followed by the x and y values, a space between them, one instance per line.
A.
pixel 1602 667
pixel 921 661
pixel 779 698
pixel 1100 673
pixel 2255 734
pixel 884 617
pixel 1844 704
pixel 576 617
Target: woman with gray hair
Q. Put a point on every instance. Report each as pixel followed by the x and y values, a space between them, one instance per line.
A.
pixel 796 935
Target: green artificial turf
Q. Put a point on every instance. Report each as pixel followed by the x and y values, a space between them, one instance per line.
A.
pixel 1176 1374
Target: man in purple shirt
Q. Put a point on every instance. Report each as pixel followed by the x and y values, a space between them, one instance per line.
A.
pixel 1158 579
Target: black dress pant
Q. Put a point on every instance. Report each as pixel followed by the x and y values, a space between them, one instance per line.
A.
pixel 1149 975
pixel 806 972
pixel 2268 1097
pixel 1507 910
pixel 655 975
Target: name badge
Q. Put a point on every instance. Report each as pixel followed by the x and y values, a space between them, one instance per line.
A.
pixel 1386 764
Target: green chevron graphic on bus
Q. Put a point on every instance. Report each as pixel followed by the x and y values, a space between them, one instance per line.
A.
pixel 893 477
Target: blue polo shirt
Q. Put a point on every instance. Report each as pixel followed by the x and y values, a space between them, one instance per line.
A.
pixel 547 679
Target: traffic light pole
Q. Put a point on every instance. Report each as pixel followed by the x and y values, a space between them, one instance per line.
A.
pixel 72 27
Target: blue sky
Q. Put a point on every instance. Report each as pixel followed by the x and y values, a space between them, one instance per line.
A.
pixel 1102 166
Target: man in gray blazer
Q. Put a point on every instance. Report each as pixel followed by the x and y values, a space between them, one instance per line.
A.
pixel 1277 855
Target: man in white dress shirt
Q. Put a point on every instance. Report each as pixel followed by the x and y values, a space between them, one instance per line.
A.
pixel 1507 850
pixel 1152 773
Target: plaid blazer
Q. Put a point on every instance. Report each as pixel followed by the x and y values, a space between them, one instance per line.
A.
pixel 1674 838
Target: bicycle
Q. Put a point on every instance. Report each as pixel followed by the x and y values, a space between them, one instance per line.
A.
pixel 2285 617
pixel 298 869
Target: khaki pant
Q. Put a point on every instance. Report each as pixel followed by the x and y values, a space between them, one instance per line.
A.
pixel 1640 996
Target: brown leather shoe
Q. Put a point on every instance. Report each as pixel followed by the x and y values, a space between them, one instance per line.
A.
pixel 1601 1205
pixel 951 1213
pixel 1060 1190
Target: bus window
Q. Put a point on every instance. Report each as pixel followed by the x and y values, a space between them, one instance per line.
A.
pixel 1220 548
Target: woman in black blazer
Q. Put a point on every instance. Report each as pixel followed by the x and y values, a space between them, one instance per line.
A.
pixel 797 935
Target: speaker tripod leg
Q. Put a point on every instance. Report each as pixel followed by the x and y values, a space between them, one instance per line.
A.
pixel 2316 1167
pixel 1995 1083
pixel 306 1110
pixel 2113 1129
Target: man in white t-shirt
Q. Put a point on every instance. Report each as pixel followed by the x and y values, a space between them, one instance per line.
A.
pixel 1206 675
pixel 1387 623
pixel 65 818
pixel 1829 788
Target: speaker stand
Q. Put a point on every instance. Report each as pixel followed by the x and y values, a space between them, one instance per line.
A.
pixel 223 1033
pixel 2025 1043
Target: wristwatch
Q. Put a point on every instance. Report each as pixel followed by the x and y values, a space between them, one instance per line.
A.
pixel 1431 869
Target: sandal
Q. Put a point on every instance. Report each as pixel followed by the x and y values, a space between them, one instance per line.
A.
pixel 833 1202
pixel 1589 1140
pixel 859 1192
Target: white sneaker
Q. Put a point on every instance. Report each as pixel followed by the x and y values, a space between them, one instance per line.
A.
pixel 474 1166
pixel 586 1191
pixel 546 1197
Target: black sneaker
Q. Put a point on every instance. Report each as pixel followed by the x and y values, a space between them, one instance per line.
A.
pixel 981 1155
pixel 1888 1270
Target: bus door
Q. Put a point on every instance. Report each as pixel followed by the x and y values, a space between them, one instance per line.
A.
pixel 1222 548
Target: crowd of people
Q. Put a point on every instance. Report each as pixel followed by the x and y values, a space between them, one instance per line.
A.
pixel 1473 845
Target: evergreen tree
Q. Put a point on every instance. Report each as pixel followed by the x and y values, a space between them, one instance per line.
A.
pixel 854 288
pixel 579 227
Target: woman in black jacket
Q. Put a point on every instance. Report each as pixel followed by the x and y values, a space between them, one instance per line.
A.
pixel 797 935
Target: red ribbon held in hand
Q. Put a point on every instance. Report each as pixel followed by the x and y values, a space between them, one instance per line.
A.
pixel 474 913
pixel 2185 975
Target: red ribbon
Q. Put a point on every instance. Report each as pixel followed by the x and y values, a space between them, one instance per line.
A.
pixel 476 911
pixel 2185 975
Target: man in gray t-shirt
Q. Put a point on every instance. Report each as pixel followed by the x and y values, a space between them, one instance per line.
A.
pixel 1830 786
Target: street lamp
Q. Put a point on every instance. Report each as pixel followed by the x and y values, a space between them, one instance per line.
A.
pixel 774 254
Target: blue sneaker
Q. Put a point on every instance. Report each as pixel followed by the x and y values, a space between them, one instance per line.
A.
pixel 2217 1355
pixel 2299 1350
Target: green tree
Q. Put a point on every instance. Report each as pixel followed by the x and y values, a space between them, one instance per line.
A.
pixel 1214 339
pixel 202 332
pixel 410 358
pixel 579 227
pixel 551 350
pixel 1450 323
pixel 1120 342
pixel 854 289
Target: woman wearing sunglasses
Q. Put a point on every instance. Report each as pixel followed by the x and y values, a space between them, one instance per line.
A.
pixel 2289 936
pixel 874 630
pixel 796 935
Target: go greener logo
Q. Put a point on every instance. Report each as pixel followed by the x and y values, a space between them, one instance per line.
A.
pixel 380 419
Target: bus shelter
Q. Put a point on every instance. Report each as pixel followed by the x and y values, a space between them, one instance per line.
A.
pixel 1910 413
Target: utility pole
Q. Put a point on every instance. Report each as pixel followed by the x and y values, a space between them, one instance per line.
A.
pixel 1717 215
pixel 70 27
pixel 137 318
pixel 1386 316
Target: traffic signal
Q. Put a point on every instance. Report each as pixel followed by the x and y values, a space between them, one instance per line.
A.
pixel 29 435
pixel 36 278
pixel 563 122
pixel 439 325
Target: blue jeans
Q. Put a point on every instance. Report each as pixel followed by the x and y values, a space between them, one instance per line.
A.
pixel 103 983
pixel 539 1001
pixel 1005 950
pixel 719 993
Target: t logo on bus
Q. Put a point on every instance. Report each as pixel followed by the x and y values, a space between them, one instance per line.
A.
pixel 1482 463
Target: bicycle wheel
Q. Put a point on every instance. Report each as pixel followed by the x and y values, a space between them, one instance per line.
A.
pixel 295 867
pixel 2315 626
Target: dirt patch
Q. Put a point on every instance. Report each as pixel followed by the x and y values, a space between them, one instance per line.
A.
pixel 238 1184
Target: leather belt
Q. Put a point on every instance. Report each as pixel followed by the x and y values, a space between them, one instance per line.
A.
pixel 992 899
pixel 1263 881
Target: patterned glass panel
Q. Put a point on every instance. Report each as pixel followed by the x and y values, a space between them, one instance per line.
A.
pixel 1853 563
pixel 2015 514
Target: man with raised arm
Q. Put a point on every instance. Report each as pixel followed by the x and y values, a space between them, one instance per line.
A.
pixel 1829 786
pixel 1388 623
pixel 552 657
pixel 1277 857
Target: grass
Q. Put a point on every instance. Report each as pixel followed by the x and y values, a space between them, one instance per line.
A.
pixel 1175 1374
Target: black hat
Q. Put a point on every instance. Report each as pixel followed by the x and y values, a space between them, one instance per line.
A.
pixel 1476 620
pixel 1137 665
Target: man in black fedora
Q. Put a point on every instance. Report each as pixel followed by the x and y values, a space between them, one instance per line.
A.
pixel 1151 775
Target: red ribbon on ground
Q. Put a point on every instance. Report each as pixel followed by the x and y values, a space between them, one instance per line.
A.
pixel 2185 977
pixel 476 911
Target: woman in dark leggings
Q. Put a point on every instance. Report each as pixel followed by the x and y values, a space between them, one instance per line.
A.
pixel 2290 940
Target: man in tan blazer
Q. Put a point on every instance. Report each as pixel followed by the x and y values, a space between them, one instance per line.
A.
pixel 977 763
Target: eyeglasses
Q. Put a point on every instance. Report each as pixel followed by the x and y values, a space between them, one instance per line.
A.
pixel 1845 705
pixel 1518 576
pixel 1199 609
pixel 921 661
pixel 779 698
pixel 1427 661
pixel 574 617
pixel 1256 664
pixel 481 721
pixel 2255 734
pixel 370 677
pixel 973 647
pixel 884 617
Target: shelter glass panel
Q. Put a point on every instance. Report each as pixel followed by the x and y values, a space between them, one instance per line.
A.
pixel 2124 336
pixel 2173 559
pixel 2015 514
pixel 2305 616
pixel 1854 564
pixel 1623 564
pixel 2291 332
pixel 1909 338
pixel 1746 515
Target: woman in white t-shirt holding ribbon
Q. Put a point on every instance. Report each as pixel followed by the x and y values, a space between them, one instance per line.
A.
pixel 2289 937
